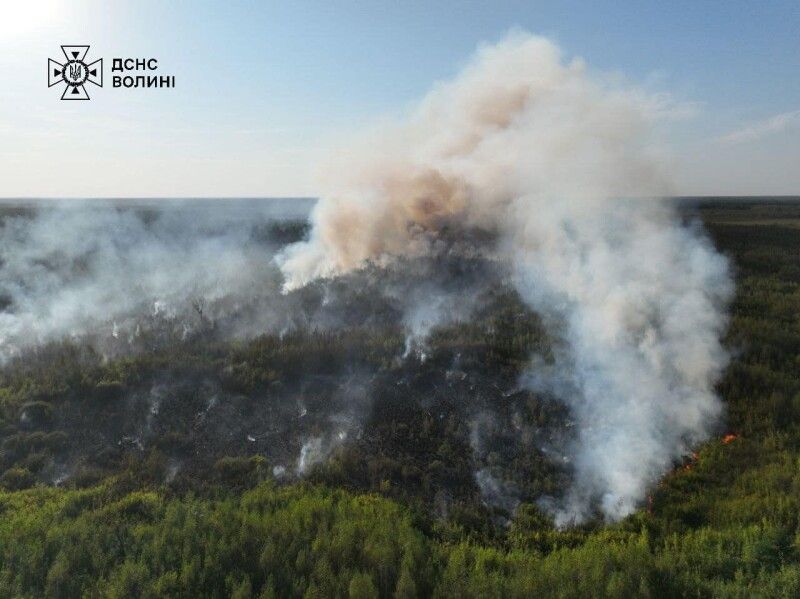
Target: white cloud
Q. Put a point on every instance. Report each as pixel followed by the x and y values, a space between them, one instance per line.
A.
pixel 757 130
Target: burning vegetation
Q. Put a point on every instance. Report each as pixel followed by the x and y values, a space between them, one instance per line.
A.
pixel 187 432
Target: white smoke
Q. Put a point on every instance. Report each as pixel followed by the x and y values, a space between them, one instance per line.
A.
pixel 96 268
pixel 312 452
pixel 539 153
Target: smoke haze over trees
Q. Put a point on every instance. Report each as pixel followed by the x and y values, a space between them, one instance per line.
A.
pixel 490 360
pixel 151 450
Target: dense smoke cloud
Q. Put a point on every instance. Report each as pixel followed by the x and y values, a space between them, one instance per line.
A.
pixel 523 158
pixel 512 174
pixel 99 269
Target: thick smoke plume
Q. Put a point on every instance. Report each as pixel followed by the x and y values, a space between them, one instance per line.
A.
pixel 525 159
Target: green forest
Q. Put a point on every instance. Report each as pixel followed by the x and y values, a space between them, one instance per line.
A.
pixel 121 478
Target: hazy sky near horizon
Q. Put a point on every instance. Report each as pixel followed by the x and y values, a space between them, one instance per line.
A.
pixel 265 88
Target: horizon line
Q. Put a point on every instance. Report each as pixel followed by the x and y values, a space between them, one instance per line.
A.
pixel 305 197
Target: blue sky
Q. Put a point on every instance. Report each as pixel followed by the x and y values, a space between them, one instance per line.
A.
pixel 263 88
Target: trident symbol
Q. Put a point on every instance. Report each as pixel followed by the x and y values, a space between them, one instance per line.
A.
pixel 74 73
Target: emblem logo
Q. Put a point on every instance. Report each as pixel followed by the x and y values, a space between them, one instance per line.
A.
pixel 75 73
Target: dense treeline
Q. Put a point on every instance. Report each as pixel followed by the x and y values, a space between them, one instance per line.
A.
pixel 162 494
pixel 302 541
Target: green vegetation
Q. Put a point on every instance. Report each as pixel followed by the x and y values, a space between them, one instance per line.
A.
pixel 165 497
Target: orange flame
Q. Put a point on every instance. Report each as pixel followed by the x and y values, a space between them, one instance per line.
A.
pixel 728 438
